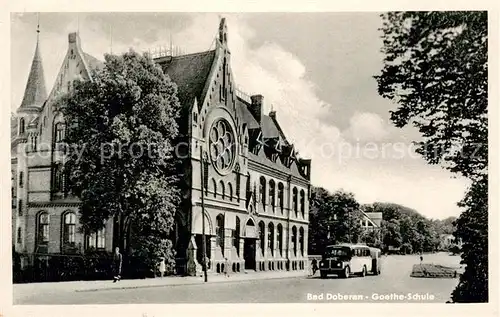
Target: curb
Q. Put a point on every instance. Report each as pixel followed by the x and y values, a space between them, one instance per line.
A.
pixel 187 283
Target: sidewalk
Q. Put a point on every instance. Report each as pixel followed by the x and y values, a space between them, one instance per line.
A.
pixel 92 286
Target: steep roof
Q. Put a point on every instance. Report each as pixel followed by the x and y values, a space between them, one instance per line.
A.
pixel 92 62
pixel 190 73
pixel 269 129
pixel 244 114
pixel 35 93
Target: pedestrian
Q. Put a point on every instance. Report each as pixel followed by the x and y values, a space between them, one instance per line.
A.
pixel 421 258
pixel 226 267
pixel 117 265
pixel 162 267
pixel 314 265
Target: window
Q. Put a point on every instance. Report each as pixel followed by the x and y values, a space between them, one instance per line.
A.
pixel 21 179
pixel 294 240
pixel 294 201
pixel 33 144
pixel 236 240
pixel 20 207
pixel 195 117
pixel 69 225
pixel 262 190
pixel 302 203
pixel 97 240
pixel 43 227
pixel 58 174
pixel 301 241
pixel 279 237
pixel 21 126
pixel 19 236
pixel 230 191
pixel 280 196
pixel 270 237
pixel 219 231
pixel 262 229
pixel 272 194
pixel 214 187
pixel 223 189
pixel 59 132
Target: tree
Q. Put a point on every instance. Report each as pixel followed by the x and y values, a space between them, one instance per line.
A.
pixel 435 69
pixel 121 128
pixel 391 237
pixel 472 230
pixel 333 218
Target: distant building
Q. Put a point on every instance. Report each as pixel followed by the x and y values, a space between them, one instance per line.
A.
pixel 448 241
pixel 371 220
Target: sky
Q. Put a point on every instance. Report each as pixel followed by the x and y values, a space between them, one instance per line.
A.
pixel 314 69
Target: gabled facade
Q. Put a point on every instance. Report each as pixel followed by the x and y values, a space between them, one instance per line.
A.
pixel 44 216
pixel 255 188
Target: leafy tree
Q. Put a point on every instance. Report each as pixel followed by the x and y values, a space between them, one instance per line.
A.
pixel 333 218
pixel 121 128
pixel 435 69
pixel 472 230
pixel 391 236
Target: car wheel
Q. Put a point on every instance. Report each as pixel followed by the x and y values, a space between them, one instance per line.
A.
pixel 346 272
pixel 323 274
pixel 363 272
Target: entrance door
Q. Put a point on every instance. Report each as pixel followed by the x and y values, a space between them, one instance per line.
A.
pixel 249 253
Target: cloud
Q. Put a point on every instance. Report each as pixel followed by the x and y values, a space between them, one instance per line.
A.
pixel 366 126
pixel 266 68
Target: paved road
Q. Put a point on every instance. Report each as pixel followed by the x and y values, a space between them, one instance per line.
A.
pixel 394 281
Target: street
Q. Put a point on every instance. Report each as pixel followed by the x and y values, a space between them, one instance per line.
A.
pixel 394 281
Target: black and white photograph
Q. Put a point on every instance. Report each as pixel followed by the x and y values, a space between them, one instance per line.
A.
pixel 251 157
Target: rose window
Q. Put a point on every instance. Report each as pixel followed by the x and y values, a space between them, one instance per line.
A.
pixel 222 145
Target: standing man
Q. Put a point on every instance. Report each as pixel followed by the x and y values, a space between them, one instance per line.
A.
pixel 117 265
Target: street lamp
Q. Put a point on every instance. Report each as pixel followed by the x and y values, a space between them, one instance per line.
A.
pixel 203 160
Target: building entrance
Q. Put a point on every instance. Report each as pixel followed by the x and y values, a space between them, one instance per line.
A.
pixel 249 253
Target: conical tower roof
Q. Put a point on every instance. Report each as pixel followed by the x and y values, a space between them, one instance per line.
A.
pixel 35 93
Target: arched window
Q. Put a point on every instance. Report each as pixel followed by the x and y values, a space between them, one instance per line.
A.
pixel 69 226
pixel 262 229
pixel 280 196
pixel 272 194
pixel 219 231
pixel 230 191
pixel 214 187
pixel 22 126
pixel 294 201
pixel 262 191
pixel 301 241
pixel 19 236
pixel 270 237
pixel 59 132
pixel 302 203
pixel 279 237
pixel 43 227
pixel 222 189
pixel 294 240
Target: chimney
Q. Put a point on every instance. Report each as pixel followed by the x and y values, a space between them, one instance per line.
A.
pixel 256 107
